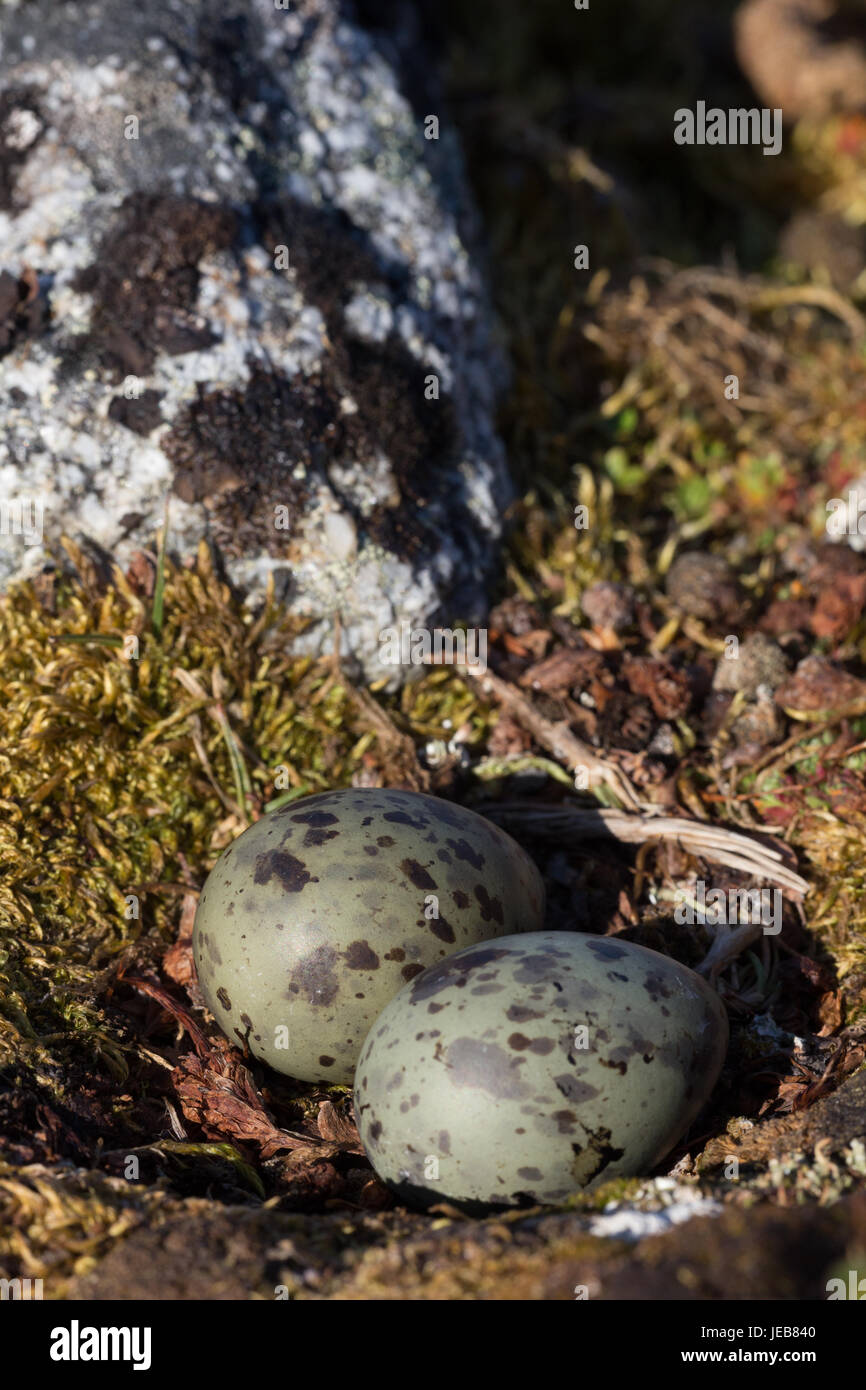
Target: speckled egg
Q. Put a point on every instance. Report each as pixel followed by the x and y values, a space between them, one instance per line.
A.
pixel 317 915
pixel 523 1069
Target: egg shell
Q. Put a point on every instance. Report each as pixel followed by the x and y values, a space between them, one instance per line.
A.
pixel 319 913
pixel 527 1068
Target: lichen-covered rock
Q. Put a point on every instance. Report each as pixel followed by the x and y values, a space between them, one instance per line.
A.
pixel 234 270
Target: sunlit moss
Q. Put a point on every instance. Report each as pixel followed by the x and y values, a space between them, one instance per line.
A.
pixel 119 777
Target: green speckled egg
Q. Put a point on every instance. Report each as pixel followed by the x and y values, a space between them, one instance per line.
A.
pixel 523 1069
pixel 317 915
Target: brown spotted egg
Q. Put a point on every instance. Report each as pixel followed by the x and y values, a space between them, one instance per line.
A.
pixel 523 1069
pixel 317 915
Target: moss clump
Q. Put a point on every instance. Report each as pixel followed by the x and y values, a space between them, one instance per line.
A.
pixel 137 737
pixel 54 1226
pixel 617 1190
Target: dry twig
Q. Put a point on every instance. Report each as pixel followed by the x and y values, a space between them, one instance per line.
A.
pixel 557 738
pixel 722 846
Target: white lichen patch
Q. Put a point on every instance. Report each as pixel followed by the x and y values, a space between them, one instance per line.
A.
pixel 659 1205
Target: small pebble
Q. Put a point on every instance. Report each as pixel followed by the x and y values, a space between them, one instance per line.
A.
pixel 704 586
pixel 759 662
pixel 608 606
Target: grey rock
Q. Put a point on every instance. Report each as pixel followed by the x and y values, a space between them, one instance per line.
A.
pixel 153 161
pixel 759 726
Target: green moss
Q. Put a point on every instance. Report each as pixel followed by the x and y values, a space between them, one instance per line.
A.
pixel 124 779
pixel 617 1190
